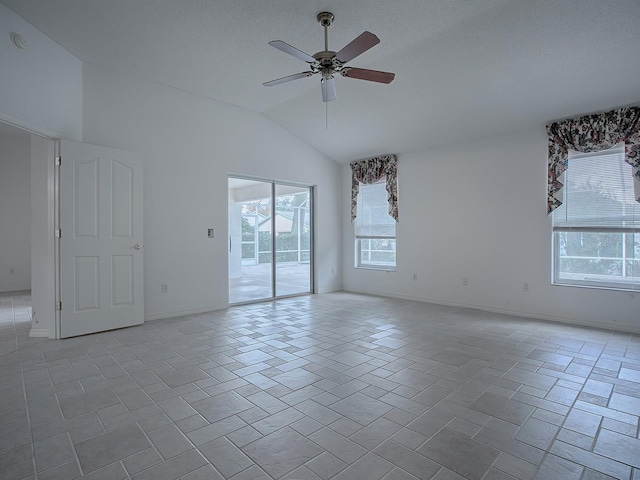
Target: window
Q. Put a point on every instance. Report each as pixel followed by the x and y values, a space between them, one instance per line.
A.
pixel 596 230
pixel 375 229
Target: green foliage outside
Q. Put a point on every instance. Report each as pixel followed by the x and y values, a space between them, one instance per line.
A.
pixel 378 251
pixel 293 206
pixel 608 253
pixel 286 245
pixel 605 251
pixel 248 232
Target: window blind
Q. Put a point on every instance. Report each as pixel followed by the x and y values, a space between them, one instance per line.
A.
pixel 598 193
pixel 373 219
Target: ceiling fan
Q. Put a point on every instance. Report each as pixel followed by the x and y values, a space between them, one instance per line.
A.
pixel 327 63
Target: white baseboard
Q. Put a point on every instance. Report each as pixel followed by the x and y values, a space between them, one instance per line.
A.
pixel 13 290
pixel 212 308
pixel 329 290
pixel 506 311
pixel 181 313
pixel 39 332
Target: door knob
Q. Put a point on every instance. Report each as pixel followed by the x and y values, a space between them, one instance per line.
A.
pixel 137 246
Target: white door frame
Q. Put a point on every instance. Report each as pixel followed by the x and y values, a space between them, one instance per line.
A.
pixel 50 294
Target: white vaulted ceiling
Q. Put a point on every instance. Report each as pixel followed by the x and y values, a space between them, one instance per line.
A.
pixel 465 69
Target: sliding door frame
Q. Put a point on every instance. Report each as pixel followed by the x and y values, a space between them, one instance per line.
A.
pixel 312 254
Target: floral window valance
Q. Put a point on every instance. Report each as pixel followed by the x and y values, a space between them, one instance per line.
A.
pixel 372 171
pixel 592 133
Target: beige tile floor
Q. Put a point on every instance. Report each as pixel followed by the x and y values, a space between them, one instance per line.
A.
pixel 335 386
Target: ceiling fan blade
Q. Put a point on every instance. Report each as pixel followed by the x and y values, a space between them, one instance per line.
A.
pixel 370 75
pixel 278 81
pixel 286 48
pixel 328 85
pixel 358 45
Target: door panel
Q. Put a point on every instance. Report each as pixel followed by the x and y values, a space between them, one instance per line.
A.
pixel 86 205
pixel 123 279
pixel 293 240
pixel 101 259
pixel 87 283
pixel 122 204
pixel 250 244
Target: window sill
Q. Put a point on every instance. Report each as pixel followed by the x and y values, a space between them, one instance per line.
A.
pixel 610 287
pixel 374 267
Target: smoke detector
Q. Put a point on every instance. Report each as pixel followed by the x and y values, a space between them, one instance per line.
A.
pixel 18 40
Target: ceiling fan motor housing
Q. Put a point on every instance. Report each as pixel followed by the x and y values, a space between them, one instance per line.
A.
pixel 326 62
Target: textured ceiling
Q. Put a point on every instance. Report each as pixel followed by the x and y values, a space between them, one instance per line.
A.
pixel 465 69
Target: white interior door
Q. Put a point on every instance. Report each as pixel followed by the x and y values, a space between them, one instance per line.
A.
pixel 101 276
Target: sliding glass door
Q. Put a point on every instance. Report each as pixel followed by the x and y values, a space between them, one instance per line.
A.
pixel 270 240
pixel 293 240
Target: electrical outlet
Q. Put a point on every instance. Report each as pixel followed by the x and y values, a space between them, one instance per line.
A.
pixel 415 277
pixel 525 286
pixel 210 232
pixel 333 271
pixel 165 288
pixel 12 270
pixel 465 281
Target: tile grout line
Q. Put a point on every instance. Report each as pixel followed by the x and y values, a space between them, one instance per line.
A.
pixel 172 422
pixel 564 420
pixel 26 404
pixel 75 454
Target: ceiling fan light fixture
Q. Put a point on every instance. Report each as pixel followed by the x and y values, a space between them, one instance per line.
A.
pixel 328 85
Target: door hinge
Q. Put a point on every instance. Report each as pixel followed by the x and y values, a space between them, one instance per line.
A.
pixel 58 233
pixel 59 306
pixel 58 161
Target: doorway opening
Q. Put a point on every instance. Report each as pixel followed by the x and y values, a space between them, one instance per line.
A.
pixel 15 232
pixel 27 259
pixel 270 240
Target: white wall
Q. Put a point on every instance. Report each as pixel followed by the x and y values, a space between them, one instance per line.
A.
pixel 478 210
pixel 15 213
pixel 41 85
pixel 190 145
